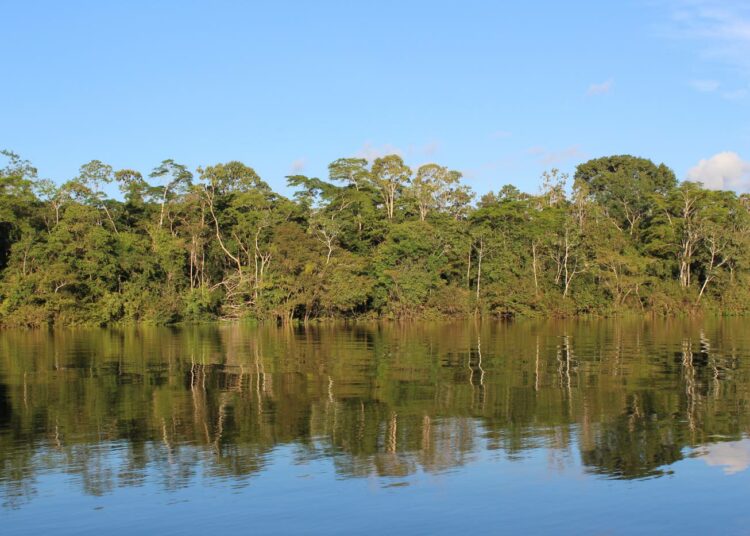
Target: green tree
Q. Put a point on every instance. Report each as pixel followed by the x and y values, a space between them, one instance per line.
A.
pixel 390 176
pixel 626 187
pixel 430 188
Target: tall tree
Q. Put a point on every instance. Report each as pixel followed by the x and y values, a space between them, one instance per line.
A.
pixel 430 187
pixel 626 186
pixel 390 175
pixel 175 180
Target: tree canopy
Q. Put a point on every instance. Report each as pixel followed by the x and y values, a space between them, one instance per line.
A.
pixel 370 240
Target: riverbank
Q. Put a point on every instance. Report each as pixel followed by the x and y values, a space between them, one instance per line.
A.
pixel 707 310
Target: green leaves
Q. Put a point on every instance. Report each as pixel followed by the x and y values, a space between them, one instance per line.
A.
pixel 626 187
pixel 370 240
pixel 390 175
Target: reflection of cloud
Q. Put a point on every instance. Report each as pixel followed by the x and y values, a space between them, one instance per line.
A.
pixel 733 456
pixel 723 171
pixel 600 89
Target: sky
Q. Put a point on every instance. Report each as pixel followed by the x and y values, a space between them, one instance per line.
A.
pixel 498 90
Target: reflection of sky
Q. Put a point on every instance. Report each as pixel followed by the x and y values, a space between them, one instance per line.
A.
pixel 732 456
pixel 489 495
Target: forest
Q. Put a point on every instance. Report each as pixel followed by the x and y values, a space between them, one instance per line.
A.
pixel 372 240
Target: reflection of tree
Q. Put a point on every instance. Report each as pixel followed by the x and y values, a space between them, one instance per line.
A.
pixel 633 445
pixel 113 407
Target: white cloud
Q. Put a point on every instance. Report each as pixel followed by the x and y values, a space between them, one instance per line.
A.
pixel 712 86
pixel 722 27
pixel 723 171
pixel 299 165
pixel 551 158
pixel 427 150
pixel 600 89
pixel 704 86
pixel 371 152
pixel 734 94
pixel 498 134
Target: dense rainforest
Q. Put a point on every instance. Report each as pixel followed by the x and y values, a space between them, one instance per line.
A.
pixel 373 239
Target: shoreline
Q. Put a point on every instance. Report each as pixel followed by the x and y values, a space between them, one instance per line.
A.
pixel 444 319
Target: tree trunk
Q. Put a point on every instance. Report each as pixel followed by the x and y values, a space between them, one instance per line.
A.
pixel 480 254
pixel 534 261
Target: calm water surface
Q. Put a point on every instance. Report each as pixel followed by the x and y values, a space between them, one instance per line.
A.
pixel 609 427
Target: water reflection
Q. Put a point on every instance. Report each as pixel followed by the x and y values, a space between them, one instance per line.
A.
pixel 733 457
pixel 117 408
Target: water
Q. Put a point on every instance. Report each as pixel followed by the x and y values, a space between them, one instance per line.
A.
pixel 588 427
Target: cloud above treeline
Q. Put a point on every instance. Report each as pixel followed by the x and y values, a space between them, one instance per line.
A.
pixel 722 27
pixel 723 171
pixel 370 151
pixel 552 158
pixel 600 89
pixel 500 134
pixel 713 86
pixel 704 86
pixel 298 165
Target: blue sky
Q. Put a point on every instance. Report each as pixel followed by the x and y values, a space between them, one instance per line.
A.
pixel 499 90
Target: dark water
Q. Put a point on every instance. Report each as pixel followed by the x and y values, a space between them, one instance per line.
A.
pixel 610 427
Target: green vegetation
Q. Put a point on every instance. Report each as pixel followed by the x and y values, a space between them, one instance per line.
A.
pixel 374 240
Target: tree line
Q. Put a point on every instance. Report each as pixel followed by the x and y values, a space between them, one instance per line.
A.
pixel 372 240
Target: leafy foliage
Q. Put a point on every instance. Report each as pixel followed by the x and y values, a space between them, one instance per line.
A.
pixel 369 240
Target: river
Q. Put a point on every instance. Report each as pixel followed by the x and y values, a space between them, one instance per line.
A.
pixel 625 426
